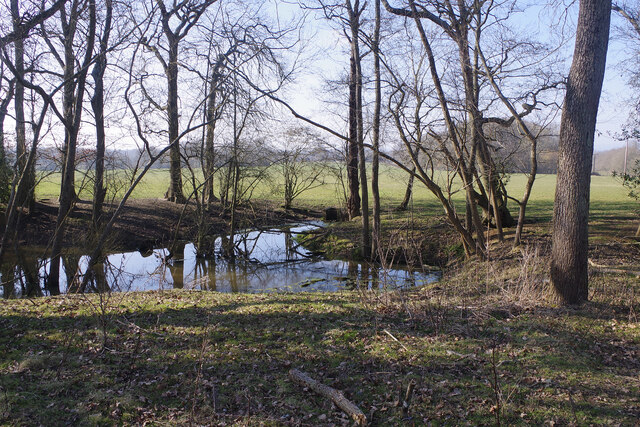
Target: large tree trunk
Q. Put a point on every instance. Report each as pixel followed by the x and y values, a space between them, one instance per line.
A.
pixel 362 164
pixel 375 190
pixel 26 195
pixel 97 104
pixel 174 193
pixel 353 202
pixel 571 209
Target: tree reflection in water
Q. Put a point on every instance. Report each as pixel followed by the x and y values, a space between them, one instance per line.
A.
pixel 269 260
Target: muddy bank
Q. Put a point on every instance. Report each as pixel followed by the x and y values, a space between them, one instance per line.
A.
pixel 148 222
pixel 432 242
pixel 425 243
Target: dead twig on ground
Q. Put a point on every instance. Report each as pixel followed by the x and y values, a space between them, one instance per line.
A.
pixel 331 393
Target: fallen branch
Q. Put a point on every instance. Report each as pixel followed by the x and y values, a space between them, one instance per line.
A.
pixel 395 339
pixel 335 395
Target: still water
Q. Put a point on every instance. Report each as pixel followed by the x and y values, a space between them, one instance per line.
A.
pixel 266 261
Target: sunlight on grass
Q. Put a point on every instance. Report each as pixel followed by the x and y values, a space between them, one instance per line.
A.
pixel 608 197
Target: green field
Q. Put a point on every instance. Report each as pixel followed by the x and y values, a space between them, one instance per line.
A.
pixel 608 196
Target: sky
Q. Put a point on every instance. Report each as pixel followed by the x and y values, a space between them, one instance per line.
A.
pixel 308 95
pixel 616 99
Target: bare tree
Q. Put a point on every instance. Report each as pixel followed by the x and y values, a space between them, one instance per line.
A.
pixel 35 19
pixel 349 15
pixel 375 164
pixel 97 104
pixel 408 105
pixel 214 104
pixel 176 20
pixel 26 196
pixel 525 129
pixel 300 171
pixel 569 268
pixel 468 144
pixel 240 65
pixel 6 90
pixel 356 121
pixel 73 96
pixel 19 177
pixel 465 103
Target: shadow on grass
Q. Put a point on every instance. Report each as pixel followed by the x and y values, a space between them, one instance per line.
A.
pixel 168 360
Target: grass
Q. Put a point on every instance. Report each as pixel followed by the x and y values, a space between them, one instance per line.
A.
pixel 182 357
pixel 609 201
pixel 484 345
pixel 604 190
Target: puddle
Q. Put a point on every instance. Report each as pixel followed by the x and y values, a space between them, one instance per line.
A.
pixel 267 261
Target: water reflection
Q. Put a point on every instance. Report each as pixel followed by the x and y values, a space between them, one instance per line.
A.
pixel 266 261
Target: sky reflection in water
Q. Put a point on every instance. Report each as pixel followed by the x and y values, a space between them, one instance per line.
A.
pixel 273 262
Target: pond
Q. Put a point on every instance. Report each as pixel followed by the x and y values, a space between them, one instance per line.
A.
pixel 267 260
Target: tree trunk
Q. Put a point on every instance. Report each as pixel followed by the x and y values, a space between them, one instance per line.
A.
pixel 375 190
pixel 26 195
pixel 353 202
pixel 97 104
pixel 408 191
pixel 362 164
pixel 569 258
pixel 174 193
pixel 73 97
pixel 464 170
pixel 5 170
pixel 527 191
pixel 209 154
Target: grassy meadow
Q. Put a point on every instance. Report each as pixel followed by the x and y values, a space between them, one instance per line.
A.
pixel 609 201
pixel 608 196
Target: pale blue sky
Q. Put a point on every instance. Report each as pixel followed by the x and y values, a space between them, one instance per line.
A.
pixel 615 101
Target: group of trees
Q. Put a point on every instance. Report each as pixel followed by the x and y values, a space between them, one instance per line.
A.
pixel 196 83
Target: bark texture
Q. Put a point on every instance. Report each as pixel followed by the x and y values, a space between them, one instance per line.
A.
pixel 174 193
pixel 571 208
pixel 26 195
pixel 375 190
pixel 353 202
pixel 97 104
